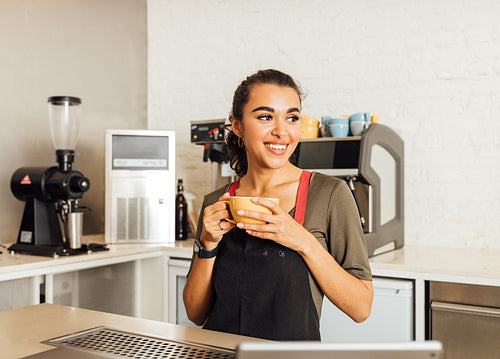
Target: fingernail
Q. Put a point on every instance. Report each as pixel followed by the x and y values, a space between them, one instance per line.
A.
pixel 240 212
pixel 239 225
pixel 255 199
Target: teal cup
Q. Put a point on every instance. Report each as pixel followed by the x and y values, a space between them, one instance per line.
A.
pixel 360 116
pixel 358 122
pixel 326 120
pixel 339 129
pixel 323 128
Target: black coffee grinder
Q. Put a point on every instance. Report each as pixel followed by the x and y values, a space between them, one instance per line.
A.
pixel 52 220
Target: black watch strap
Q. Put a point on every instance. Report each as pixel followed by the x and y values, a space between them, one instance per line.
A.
pixel 202 252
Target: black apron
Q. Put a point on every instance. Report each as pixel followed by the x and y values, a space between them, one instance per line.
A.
pixel 262 288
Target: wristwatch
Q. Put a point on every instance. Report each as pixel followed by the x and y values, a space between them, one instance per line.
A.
pixel 202 252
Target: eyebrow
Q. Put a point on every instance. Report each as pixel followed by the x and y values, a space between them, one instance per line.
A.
pixel 270 109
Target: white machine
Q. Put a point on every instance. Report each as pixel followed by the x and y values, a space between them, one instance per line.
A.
pixel 140 186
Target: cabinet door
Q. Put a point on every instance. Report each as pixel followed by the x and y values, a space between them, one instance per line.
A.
pixel 391 319
pixel 466 331
pixel 107 289
pixel 19 293
pixel 177 272
pixel 132 288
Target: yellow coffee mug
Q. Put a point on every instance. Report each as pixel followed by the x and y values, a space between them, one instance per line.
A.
pixel 237 203
pixel 309 127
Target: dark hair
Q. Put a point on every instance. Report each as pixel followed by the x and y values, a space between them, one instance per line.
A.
pixel 236 150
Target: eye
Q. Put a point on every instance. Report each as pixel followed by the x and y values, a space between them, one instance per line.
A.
pixel 293 118
pixel 265 117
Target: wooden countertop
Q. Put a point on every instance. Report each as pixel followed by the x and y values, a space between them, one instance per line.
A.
pixel 24 329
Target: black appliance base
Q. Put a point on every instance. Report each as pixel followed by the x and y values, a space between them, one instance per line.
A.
pixel 56 250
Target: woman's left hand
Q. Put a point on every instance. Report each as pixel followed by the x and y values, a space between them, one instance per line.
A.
pixel 280 227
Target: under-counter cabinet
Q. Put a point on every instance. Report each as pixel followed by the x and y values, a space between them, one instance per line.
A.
pixel 391 319
pixel 128 280
pixel 465 318
pixel 131 288
pixel 21 292
pixel 177 275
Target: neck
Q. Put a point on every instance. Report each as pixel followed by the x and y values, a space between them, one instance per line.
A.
pixel 260 180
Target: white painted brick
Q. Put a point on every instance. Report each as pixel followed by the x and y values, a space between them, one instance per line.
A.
pixel 431 69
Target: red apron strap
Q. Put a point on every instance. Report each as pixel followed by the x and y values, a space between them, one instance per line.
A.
pixel 300 204
pixel 232 189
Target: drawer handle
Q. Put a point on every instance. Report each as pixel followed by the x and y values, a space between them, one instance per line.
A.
pixel 466 309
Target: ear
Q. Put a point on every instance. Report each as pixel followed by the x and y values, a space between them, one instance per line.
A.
pixel 237 127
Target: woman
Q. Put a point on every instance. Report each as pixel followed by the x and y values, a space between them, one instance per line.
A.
pixel 268 280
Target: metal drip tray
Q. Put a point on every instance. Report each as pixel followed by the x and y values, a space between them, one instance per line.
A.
pixel 132 345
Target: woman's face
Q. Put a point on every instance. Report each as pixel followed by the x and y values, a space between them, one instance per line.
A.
pixel 270 127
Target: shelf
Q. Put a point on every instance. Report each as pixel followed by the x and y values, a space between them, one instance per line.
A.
pixel 324 139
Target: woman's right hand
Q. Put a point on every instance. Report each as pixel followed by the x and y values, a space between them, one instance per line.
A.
pixel 214 224
pixel 198 292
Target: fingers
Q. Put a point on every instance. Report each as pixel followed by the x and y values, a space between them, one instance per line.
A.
pixel 224 197
pixel 225 226
pixel 272 205
pixel 268 227
pixel 217 207
pixel 264 235
pixel 265 217
pixel 214 225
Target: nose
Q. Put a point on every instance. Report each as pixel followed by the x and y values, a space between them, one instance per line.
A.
pixel 279 128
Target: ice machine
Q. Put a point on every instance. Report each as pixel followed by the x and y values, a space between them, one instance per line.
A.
pixel 140 186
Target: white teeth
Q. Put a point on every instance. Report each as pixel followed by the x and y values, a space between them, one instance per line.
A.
pixel 276 147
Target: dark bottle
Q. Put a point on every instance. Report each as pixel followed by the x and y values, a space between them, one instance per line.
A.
pixel 181 214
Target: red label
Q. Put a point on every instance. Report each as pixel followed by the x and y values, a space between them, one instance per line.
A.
pixel 26 180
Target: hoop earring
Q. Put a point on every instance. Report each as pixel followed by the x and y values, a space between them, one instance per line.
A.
pixel 240 142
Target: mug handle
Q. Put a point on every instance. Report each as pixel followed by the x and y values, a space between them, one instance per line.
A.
pixel 230 220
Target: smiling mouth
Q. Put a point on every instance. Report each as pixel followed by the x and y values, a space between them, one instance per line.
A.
pixel 276 147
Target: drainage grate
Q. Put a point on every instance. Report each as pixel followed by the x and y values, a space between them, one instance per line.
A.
pixel 132 345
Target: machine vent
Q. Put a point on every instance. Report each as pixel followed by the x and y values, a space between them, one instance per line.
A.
pixel 132 219
pixel 144 215
pixel 132 345
pixel 121 218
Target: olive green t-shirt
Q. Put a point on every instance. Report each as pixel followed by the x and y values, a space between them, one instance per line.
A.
pixel 332 217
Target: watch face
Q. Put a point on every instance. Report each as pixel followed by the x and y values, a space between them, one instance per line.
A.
pixel 196 246
pixel 203 253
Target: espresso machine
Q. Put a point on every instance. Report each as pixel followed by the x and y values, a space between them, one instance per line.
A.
pixel 373 167
pixel 211 134
pixel 52 220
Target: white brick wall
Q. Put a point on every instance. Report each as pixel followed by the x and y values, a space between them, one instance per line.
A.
pixel 431 69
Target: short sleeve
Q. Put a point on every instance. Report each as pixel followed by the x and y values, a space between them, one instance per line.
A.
pixel 346 237
pixel 333 218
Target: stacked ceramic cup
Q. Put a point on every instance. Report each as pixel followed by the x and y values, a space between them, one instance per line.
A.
pixel 339 127
pixel 359 122
pixel 309 127
pixel 323 128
